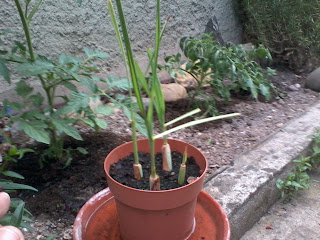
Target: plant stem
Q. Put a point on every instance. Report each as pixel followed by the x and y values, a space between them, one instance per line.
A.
pixel 25 29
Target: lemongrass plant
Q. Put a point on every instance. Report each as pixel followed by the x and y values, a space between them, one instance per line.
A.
pixel 149 84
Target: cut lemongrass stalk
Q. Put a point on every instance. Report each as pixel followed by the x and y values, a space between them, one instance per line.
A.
pixel 182 174
pixel 154 183
pixel 166 157
pixel 188 114
pixel 182 170
pixel 196 122
pixel 137 171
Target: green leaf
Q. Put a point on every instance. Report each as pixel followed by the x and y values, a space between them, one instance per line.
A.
pixel 67 59
pixel 252 87
pixel 103 109
pixel 140 124
pixel 12 174
pixel 89 122
pixel 82 150
pixel 37 99
pixel 101 123
pixel 36 68
pixel 78 100
pixel 4 71
pixel 95 53
pixel 36 130
pixel 89 83
pixel 16 186
pixel 120 83
pixel 23 89
pixel 265 91
pixel 69 85
pixel 63 126
pixel 16 218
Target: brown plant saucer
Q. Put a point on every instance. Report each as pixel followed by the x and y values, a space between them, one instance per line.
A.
pixel 98 219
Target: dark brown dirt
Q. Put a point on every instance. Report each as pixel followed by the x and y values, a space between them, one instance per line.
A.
pixel 62 192
pixel 122 172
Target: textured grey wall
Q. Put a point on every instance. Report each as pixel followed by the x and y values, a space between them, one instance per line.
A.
pixel 62 26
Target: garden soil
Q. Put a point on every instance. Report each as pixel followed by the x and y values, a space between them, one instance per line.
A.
pixel 62 192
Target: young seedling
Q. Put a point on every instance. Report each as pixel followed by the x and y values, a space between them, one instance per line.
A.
pixel 182 170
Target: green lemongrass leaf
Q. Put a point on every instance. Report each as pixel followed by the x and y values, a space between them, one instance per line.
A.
pixel 182 174
pixel 158 100
pixel 188 114
pixel 12 174
pixel 118 35
pixel 129 54
pixel 196 122
pixel 33 11
pixel 150 51
pixel 142 80
pixel 16 186
pixel 139 122
pixel 16 218
pixel 14 203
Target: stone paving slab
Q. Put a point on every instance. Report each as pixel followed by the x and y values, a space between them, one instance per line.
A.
pixel 247 190
pixel 297 220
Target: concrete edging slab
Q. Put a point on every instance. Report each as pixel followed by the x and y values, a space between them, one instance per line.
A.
pixel 247 190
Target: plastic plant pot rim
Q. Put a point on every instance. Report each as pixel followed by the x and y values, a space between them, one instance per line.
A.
pixel 161 191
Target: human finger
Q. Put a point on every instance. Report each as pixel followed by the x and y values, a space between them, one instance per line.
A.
pixel 4 203
pixel 10 233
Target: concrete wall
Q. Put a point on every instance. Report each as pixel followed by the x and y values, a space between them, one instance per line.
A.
pixel 64 27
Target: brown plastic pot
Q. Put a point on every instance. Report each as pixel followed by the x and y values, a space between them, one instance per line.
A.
pixel 156 215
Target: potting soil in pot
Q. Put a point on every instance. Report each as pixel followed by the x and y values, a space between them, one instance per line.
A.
pixel 122 172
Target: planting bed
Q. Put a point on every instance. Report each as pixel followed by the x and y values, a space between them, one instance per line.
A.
pixel 62 192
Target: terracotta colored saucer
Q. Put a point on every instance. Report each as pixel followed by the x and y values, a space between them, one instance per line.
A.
pixel 98 219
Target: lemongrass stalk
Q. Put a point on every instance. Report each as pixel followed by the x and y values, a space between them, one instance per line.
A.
pixel 131 63
pixel 158 94
pixel 182 170
pixel 137 168
pixel 195 122
pixel 166 157
pixel 161 34
pixel 188 114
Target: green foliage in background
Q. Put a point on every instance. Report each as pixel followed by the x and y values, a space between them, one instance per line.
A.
pixel 18 215
pixel 36 114
pixel 299 178
pixel 227 69
pixel 290 29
